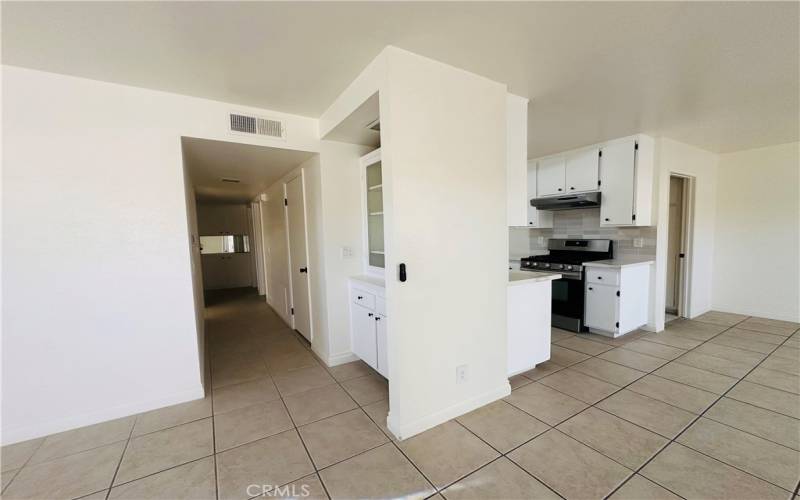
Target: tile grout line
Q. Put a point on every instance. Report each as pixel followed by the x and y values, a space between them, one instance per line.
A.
pixel 698 417
pixel 121 457
pixel 24 464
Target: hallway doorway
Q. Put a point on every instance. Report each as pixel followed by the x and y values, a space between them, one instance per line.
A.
pixel 298 255
pixel 677 246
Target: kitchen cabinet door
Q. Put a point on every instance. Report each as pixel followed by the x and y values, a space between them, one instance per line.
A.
pixel 364 341
pixel 383 354
pixel 602 307
pixel 516 159
pixel 550 176
pixel 617 176
pixel 582 170
pixel 536 218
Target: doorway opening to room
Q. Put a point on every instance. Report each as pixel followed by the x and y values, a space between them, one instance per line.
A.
pixel 678 246
pixel 246 207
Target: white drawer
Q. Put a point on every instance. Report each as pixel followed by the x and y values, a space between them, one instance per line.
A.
pixel 363 298
pixel 380 306
pixel 602 276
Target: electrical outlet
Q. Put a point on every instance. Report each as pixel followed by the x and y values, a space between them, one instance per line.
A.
pixel 347 252
pixel 638 242
pixel 540 241
pixel 462 374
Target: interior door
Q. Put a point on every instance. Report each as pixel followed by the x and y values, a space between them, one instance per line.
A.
pixel 674 243
pixel 550 176
pixel 298 256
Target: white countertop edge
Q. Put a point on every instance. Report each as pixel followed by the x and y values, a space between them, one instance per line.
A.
pixel 373 281
pixel 516 278
pixel 621 262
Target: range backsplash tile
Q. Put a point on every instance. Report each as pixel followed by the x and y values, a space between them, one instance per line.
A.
pixel 584 223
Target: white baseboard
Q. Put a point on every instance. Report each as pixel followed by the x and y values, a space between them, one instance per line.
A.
pixel 338 359
pixel 45 428
pixel 429 421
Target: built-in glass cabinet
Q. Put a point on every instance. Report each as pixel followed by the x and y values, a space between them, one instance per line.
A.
pixel 373 208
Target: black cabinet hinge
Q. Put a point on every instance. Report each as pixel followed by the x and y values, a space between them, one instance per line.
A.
pixel 636 146
pixel 617 324
pixel 600 153
pixel 292 311
pixel 633 217
pixel 286 202
pixel 599 182
pixel 617 293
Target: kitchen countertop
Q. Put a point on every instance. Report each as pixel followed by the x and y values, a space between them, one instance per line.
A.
pixel 372 280
pixel 619 262
pixel 524 277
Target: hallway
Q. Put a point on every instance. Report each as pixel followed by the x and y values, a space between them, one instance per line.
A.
pixel 647 415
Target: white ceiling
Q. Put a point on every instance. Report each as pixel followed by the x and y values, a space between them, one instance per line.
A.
pixel 720 75
pixel 256 167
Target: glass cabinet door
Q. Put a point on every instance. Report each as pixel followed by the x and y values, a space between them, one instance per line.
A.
pixel 374 186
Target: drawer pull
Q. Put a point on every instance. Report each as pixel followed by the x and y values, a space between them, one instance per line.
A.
pixel 360 297
pixel 370 315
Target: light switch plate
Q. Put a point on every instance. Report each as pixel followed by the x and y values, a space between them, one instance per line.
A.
pixel 540 240
pixel 347 252
pixel 638 242
pixel 462 374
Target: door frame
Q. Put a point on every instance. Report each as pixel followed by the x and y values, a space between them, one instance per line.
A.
pixel 301 175
pixel 686 236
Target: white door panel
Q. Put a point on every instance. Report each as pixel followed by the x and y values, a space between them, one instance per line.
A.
pixel 382 347
pixel 582 171
pixel 298 257
pixel 602 306
pixel 550 178
pixel 617 183
pixel 364 341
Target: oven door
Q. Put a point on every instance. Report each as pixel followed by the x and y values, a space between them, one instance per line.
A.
pixel 568 302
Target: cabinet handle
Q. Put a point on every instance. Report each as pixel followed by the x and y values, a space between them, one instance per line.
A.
pixel 531 222
pixel 590 288
pixel 360 297
pixel 403 275
pixel 371 315
pixel 571 187
pixel 377 318
pixel 607 219
pixel 560 189
pixel 303 269
pixel 599 277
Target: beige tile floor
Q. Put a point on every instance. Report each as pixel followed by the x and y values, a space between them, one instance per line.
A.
pixel 708 408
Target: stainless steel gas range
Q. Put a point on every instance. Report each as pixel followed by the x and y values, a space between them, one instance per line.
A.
pixel 567 258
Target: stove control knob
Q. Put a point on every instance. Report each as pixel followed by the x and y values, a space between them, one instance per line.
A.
pixel 568 268
pixel 545 265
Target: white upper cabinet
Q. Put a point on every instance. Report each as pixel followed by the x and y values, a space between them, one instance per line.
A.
pixel 517 159
pixel 582 171
pixel 551 176
pixel 626 182
pixel 621 170
pixel 536 218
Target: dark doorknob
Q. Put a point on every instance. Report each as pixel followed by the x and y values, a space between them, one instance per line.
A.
pixel 303 269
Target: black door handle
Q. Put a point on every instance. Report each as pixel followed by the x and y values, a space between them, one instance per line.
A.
pixel 370 315
pixel 377 318
pixel 303 269
pixel 403 276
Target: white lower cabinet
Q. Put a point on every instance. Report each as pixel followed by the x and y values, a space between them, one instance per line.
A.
pixel 364 342
pixel 383 355
pixel 368 338
pixel 617 298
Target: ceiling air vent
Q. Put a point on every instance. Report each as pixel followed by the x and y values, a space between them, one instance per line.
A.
pixel 256 125
pixel 231 180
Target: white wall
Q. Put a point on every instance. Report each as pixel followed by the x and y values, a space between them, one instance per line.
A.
pixel 98 311
pixel 673 157
pixel 757 234
pixel 444 210
pixel 195 260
